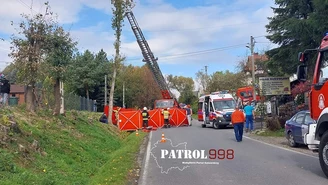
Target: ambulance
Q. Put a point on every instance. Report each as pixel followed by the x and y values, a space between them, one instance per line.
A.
pixel 215 109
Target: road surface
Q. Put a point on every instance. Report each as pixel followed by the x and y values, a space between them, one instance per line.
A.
pixel 253 163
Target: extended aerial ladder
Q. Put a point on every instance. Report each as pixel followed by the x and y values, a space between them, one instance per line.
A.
pixel 151 62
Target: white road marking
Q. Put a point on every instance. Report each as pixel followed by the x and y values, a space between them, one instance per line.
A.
pixel 280 147
pixel 144 174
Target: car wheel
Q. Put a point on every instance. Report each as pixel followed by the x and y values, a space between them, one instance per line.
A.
pixel 215 125
pixel 323 153
pixel 291 140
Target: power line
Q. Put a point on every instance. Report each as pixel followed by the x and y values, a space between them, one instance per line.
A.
pixel 201 28
pixel 166 57
pixel 26 5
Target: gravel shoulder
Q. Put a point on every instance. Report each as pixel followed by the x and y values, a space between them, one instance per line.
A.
pixel 281 142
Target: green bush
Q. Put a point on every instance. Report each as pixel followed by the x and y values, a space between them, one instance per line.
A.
pixel 273 124
pixel 261 109
pixel 282 120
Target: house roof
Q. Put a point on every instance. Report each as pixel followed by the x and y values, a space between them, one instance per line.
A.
pixel 17 88
pixel 257 57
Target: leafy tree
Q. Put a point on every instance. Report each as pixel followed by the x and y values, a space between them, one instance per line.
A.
pixel 290 28
pixel 60 48
pixel 185 86
pixel 28 53
pixel 141 88
pixel 119 10
pixel 318 20
pixel 81 72
pixel 203 79
pixel 10 73
pixel 44 51
pixel 226 81
pixel 104 68
pixel 87 72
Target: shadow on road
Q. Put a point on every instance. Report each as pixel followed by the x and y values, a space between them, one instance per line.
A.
pixel 308 166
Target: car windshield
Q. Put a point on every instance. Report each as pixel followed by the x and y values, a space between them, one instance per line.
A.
pixel 246 94
pixel 164 104
pixel 220 105
pixel 323 76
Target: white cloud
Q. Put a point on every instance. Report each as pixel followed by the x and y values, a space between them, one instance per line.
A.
pixel 168 30
pixel 4 51
pixel 172 31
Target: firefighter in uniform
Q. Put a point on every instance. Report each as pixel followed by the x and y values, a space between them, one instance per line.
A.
pixel 145 117
pixel 166 115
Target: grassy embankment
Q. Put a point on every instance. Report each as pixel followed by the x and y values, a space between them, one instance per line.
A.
pixel 75 149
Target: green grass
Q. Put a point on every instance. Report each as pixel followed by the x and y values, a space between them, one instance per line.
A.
pixel 76 149
pixel 278 133
pixel 120 163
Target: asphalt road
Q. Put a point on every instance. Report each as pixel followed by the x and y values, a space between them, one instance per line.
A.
pixel 254 163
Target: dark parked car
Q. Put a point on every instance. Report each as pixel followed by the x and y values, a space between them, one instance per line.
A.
pixel 297 127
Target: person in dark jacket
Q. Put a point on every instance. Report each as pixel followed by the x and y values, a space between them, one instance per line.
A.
pixel 188 109
pixel 103 118
pixel 145 117
pixel 5 90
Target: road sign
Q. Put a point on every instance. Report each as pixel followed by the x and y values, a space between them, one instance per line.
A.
pixel 274 85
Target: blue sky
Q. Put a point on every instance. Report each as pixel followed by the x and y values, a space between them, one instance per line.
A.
pixel 213 33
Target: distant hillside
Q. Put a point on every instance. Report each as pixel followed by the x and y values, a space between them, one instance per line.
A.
pixel 75 149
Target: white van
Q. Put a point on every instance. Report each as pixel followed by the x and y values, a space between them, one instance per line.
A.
pixel 215 109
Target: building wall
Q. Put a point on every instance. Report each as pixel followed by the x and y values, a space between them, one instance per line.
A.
pixel 20 96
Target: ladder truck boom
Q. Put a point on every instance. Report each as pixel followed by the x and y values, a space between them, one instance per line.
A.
pixel 151 61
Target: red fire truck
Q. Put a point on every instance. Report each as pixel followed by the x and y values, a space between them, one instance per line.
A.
pixel 245 94
pixel 317 136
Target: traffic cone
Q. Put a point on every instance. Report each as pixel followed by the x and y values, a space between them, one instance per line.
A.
pixel 137 133
pixel 163 138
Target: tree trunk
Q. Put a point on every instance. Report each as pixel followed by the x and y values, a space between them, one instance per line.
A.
pixel 87 94
pixel 111 97
pixel 30 98
pixel 57 97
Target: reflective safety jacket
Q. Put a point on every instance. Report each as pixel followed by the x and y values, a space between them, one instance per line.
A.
pixel 166 114
pixel 145 115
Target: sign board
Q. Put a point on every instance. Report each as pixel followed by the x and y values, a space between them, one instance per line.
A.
pixel 274 85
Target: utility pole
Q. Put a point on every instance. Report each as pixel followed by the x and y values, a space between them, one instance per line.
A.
pixel 253 66
pixel 123 94
pixel 206 78
pixel 61 87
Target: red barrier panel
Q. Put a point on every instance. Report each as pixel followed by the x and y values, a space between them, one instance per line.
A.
pixel 114 114
pixel 130 120
pixel 156 118
pixel 178 117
